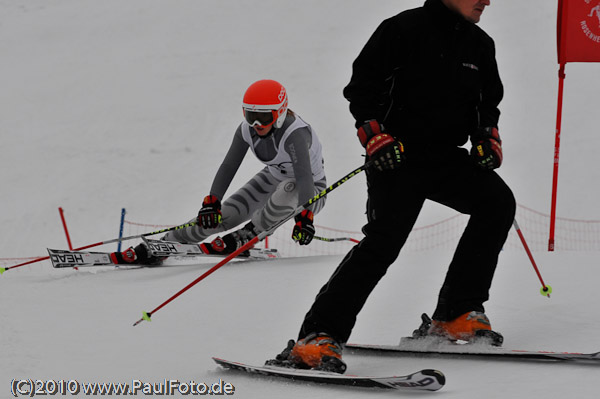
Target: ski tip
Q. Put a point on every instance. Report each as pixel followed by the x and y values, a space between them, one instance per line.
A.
pixel 546 291
pixel 2 270
pixel 437 375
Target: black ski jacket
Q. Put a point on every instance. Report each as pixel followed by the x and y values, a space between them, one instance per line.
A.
pixel 429 76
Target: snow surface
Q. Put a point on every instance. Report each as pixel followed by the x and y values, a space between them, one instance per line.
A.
pixel 111 104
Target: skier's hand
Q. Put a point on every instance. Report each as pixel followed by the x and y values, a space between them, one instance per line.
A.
pixel 210 215
pixel 304 230
pixel 487 148
pixel 385 151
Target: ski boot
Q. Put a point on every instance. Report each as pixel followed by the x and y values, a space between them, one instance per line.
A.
pixel 315 351
pixel 134 256
pixel 230 242
pixel 473 327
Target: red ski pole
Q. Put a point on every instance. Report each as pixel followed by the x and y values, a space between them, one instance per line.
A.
pixel 546 290
pixel 248 245
pixel 147 315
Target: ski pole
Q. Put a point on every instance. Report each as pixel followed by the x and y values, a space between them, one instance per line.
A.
pixel 546 290
pixel 183 226
pixel 147 315
pixel 327 239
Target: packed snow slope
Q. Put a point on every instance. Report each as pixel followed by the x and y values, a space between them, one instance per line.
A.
pixel 109 105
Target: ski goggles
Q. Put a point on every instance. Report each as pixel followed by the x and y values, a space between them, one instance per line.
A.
pixel 263 118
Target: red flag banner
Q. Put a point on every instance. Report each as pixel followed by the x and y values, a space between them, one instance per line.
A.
pixel 578 29
pixel 578 40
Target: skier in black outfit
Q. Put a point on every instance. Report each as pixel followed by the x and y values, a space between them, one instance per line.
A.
pixel 425 83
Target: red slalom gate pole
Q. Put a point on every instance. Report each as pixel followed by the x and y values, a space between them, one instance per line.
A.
pixel 64 223
pixel 546 290
pixel 561 81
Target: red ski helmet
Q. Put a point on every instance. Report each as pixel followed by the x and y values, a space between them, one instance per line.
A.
pixel 265 103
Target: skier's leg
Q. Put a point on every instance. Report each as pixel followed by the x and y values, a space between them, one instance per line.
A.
pixel 236 209
pixel 491 206
pixel 282 202
pixel 276 207
pixel 392 209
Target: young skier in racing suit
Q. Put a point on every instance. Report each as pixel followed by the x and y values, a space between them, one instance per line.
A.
pixel 293 174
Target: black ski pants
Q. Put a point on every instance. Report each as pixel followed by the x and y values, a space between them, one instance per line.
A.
pixel 395 199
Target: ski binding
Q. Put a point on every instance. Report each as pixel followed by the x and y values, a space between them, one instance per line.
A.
pixel 162 248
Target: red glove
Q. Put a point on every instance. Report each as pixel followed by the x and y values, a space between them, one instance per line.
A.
pixel 304 230
pixel 385 151
pixel 487 148
pixel 210 215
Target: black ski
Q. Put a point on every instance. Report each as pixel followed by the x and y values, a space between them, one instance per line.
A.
pixel 424 380
pixel 416 348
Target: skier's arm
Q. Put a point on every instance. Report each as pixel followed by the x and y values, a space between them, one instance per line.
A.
pixel 492 90
pixel 486 143
pixel 367 89
pixel 297 146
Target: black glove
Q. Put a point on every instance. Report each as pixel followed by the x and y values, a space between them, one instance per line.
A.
pixel 487 148
pixel 304 230
pixel 385 151
pixel 210 215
